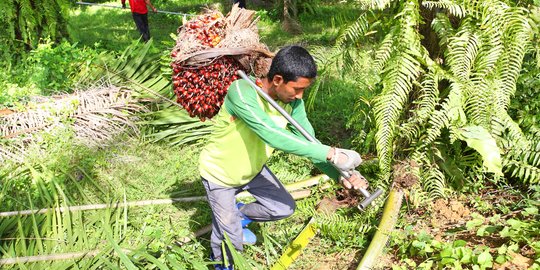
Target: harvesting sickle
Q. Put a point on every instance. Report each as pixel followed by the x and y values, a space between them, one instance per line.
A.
pixel 369 197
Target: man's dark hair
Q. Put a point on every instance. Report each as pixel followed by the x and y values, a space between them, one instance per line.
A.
pixel 292 62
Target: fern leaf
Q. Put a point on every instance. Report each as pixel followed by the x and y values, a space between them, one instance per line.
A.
pixel 462 50
pixel 434 182
pixel 355 32
pixel 388 106
pixel 525 172
pixel 517 36
pixel 426 102
pixel 443 28
pixel 374 4
pixel 453 8
pixel 384 52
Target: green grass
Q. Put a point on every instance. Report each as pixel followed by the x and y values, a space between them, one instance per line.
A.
pixel 113 29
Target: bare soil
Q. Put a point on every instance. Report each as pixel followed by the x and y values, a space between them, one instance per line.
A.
pixel 404 176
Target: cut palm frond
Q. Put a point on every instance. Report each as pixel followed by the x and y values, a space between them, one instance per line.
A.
pixel 96 115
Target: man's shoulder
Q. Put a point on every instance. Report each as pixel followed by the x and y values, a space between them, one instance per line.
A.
pixel 240 88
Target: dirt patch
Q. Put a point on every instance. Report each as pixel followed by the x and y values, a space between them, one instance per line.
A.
pixel 517 262
pixel 446 212
pixel 348 198
pixel 344 198
pixel 404 174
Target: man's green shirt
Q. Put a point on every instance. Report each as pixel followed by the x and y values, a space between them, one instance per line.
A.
pixel 247 130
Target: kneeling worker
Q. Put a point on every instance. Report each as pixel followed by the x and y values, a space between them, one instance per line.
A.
pixel 246 131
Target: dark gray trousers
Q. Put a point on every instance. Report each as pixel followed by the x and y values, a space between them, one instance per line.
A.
pixel 141 21
pixel 273 202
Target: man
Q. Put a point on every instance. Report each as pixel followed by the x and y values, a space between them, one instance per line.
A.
pixel 247 130
pixel 140 15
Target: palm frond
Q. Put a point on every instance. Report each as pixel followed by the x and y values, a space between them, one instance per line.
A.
pixel 96 115
pixel 453 8
pixel 374 4
pixel 354 32
pixel 434 182
pixel 176 127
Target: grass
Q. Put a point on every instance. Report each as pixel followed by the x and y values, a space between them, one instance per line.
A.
pixel 113 29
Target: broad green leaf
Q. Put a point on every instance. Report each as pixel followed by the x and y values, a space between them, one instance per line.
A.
pixel 460 243
pixel 485 259
pixel 446 255
pixel 480 140
pixel 516 224
pixel 471 224
pixel 530 211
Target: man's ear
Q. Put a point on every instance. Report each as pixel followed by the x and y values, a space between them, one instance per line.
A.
pixel 277 80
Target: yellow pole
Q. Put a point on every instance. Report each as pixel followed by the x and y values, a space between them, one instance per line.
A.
pixel 295 247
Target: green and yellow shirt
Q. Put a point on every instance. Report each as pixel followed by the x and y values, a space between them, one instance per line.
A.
pixel 247 130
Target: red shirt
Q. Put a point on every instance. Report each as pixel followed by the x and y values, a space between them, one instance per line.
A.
pixel 137 6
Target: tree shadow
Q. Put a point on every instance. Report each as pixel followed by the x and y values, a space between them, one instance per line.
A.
pixel 202 215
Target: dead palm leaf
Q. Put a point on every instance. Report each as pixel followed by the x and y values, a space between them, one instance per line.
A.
pixel 96 115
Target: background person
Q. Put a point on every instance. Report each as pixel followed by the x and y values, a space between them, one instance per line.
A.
pixel 140 15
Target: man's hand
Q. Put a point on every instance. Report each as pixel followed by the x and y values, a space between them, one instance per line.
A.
pixel 343 159
pixel 355 181
pixel 154 9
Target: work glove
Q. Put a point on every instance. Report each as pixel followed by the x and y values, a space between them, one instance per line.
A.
pixel 123 5
pixel 345 160
pixel 355 181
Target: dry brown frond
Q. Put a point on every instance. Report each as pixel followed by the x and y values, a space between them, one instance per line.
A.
pixel 96 115
pixel 240 38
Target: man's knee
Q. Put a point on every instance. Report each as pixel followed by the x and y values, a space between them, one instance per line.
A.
pixel 286 211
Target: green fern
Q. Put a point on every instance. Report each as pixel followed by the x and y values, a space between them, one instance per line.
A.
pixel 336 227
pixel 384 51
pixel 425 101
pixel 27 22
pixel 374 4
pixel 434 182
pixel 453 8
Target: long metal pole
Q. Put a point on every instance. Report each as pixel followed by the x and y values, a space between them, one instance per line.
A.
pixel 112 6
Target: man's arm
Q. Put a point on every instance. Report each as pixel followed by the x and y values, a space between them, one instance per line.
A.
pixel 241 102
pixel 356 180
pixel 299 114
pixel 148 3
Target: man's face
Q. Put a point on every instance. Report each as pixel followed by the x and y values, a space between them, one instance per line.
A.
pixel 290 91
